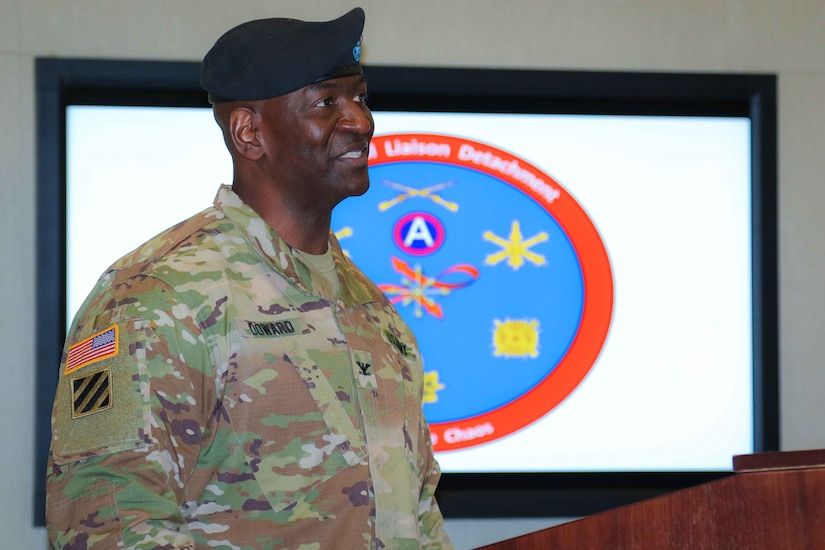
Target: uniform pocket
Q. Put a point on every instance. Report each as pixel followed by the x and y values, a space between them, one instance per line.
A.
pixel 290 422
pixel 84 516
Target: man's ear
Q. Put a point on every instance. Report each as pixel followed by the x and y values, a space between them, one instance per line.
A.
pixel 243 131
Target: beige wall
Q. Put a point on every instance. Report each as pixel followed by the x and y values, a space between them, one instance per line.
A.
pixel 783 37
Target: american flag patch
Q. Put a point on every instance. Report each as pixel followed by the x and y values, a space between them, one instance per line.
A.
pixel 94 348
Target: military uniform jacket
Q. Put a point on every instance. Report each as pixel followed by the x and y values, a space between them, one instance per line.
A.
pixel 216 393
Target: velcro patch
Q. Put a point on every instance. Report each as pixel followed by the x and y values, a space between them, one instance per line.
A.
pixel 402 348
pixel 271 329
pixel 91 393
pixel 98 346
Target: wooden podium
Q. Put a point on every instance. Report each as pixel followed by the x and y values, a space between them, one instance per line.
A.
pixel 773 501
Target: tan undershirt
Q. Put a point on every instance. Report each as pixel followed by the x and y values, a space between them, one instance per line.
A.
pixel 325 265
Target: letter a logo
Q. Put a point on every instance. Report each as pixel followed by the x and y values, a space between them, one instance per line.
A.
pixel 419 233
pixel 418 230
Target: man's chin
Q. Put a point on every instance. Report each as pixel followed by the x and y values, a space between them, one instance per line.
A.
pixel 362 190
pixel 353 189
pixel 359 184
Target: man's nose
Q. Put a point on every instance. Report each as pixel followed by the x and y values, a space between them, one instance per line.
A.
pixel 357 119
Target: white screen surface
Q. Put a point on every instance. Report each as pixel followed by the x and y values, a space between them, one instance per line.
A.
pixel 670 196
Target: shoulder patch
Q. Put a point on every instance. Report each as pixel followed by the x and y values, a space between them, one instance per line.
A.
pixel 91 393
pixel 104 408
pixel 98 346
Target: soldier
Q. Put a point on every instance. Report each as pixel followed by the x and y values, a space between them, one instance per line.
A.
pixel 236 382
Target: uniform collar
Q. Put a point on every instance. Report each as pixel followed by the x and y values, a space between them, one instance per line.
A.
pixel 355 287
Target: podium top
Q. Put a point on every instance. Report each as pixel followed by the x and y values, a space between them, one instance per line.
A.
pixel 787 460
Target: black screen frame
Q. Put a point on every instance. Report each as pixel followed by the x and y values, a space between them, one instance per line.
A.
pixel 61 82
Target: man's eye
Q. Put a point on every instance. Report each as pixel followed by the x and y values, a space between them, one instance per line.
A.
pixel 326 102
pixel 362 97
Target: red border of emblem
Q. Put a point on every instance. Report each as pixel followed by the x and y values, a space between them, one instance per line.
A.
pixel 597 310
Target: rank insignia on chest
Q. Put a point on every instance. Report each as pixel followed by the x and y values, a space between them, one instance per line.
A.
pixel 364 370
pixel 91 393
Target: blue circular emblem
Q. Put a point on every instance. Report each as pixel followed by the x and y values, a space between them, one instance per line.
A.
pixel 511 311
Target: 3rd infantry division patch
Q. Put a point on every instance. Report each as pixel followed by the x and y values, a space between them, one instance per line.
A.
pixel 91 393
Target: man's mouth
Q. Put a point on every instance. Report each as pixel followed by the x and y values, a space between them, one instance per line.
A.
pixel 353 154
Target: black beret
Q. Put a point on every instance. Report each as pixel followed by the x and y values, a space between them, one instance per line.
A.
pixel 271 57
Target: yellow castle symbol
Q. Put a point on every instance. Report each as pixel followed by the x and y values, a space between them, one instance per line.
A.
pixel 516 338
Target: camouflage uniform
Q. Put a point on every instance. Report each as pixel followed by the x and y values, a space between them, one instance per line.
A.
pixel 217 393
